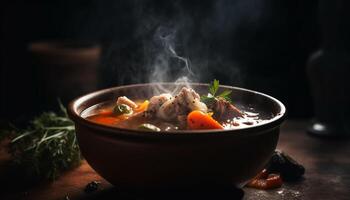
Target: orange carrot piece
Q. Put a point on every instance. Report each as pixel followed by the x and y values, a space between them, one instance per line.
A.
pixel 274 181
pixel 142 107
pixel 266 181
pixel 197 120
pixel 262 175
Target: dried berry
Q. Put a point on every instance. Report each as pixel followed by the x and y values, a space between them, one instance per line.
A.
pixel 285 165
pixel 92 186
pixel 66 197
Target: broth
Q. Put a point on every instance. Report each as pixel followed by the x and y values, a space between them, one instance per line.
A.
pixel 103 114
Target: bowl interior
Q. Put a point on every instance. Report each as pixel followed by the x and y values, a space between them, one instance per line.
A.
pixel 268 107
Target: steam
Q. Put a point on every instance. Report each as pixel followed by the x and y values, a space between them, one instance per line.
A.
pixel 168 66
pixel 184 42
pixel 174 54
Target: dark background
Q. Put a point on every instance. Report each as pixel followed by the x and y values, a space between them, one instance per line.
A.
pixel 262 45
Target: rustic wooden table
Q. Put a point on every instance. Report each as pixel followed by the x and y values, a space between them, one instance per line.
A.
pixel 327 164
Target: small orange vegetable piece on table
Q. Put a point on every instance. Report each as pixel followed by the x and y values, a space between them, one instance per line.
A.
pixel 266 181
pixel 197 120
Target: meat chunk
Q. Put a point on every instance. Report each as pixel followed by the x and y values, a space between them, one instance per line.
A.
pixel 224 110
pixel 125 100
pixel 170 108
pixel 184 102
pixel 155 103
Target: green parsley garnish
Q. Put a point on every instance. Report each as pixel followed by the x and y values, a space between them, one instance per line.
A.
pixel 212 96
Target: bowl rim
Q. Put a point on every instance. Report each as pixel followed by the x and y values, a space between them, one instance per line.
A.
pixel 116 131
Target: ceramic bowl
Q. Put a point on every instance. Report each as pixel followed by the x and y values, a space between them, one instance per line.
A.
pixel 134 159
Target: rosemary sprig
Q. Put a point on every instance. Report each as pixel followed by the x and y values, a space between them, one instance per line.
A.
pixel 212 96
pixel 47 147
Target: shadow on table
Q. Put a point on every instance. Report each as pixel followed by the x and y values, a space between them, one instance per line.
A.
pixel 202 193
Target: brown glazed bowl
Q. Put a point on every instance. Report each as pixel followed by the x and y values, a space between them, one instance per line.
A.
pixel 133 159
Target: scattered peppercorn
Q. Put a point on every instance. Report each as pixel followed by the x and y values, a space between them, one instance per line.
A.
pixel 92 186
pixel 66 197
pixel 282 163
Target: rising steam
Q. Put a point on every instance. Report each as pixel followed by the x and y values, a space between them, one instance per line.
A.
pixel 181 42
pixel 168 46
pixel 168 66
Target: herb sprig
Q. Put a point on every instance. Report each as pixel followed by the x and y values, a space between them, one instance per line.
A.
pixel 212 96
pixel 47 147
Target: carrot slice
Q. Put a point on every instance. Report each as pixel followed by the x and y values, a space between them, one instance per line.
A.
pixel 266 181
pixel 262 175
pixel 142 107
pixel 197 120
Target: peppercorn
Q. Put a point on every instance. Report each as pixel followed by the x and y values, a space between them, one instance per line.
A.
pixel 282 163
pixel 92 186
pixel 66 197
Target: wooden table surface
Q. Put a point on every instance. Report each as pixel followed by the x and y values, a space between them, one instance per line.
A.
pixel 327 164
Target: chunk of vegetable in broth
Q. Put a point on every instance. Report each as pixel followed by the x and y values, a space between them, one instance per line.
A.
pixel 122 109
pixel 142 107
pixel 198 120
pixel 149 127
pixel 186 110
